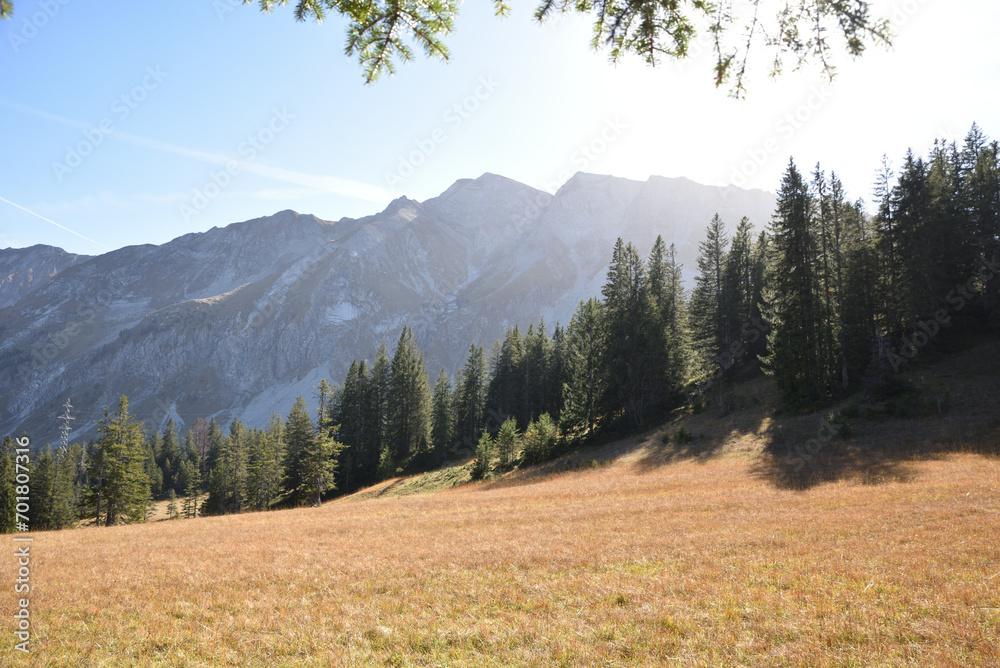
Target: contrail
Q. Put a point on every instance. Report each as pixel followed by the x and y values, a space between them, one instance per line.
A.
pixel 332 184
pixel 61 227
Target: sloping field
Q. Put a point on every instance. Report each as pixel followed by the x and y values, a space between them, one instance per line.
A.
pixel 691 563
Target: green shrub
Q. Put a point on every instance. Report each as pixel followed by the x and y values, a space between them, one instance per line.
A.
pixel 682 435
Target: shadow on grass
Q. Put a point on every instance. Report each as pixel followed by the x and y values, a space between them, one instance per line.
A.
pixel 797 459
pixel 699 448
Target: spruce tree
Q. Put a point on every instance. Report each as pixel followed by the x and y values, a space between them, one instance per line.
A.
pixel 120 487
pixel 170 456
pixel 670 353
pixel 376 398
pixel 710 308
pixel 192 493
pixel 505 392
pixel 507 442
pixel 409 399
pixel 539 442
pixel 470 412
pixel 172 511
pixel 629 335
pixel 536 370
pixel 793 311
pixel 8 501
pixel 553 404
pixel 318 456
pixel 299 434
pixel 483 463
pixel 264 464
pixel 442 413
pixel 585 384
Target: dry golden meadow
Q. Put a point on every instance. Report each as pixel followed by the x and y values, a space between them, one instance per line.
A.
pixel 691 564
pixel 643 554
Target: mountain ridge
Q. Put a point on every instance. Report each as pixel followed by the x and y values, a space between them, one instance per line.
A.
pixel 238 320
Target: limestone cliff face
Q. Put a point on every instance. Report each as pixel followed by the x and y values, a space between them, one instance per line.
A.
pixel 241 320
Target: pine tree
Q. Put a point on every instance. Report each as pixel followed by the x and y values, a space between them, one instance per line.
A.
pixel 670 352
pixel 793 346
pixel 172 512
pixel 507 442
pixel 214 440
pixel 553 404
pixel 483 463
pixel 540 440
pixel 629 330
pixel 505 391
pixel 299 434
pixel 192 493
pixel 52 495
pixel 318 458
pixel 537 367
pixel 442 413
pixel 169 456
pixel 470 419
pixel 351 413
pixel 266 454
pixel 200 437
pixel 8 496
pixel 710 309
pixel 120 487
pixel 585 376
pixel 409 399
pixel 234 466
pixel 376 398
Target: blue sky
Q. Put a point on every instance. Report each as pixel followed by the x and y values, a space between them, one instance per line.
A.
pixel 127 123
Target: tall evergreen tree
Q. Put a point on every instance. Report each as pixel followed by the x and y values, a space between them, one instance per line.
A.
pixel 471 398
pixel 120 488
pixel 376 395
pixel 507 442
pixel 267 451
pixel 318 456
pixel 192 493
pixel 8 501
pixel 169 456
pixel 409 399
pixel 793 311
pixel 585 367
pixel 442 413
pixel 351 412
pixel 670 354
pixel 709 308
pixel 299 434
pixel 505 391
pixel 553 404
pixel 629 331
pixel 52 494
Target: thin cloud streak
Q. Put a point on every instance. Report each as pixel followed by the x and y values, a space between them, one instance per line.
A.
pixel 328 184
pixel 47 220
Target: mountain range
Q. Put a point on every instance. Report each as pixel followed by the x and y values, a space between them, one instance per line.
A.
pixel 239 320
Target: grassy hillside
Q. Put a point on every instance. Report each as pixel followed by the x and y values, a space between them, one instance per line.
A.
pixel 711 552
